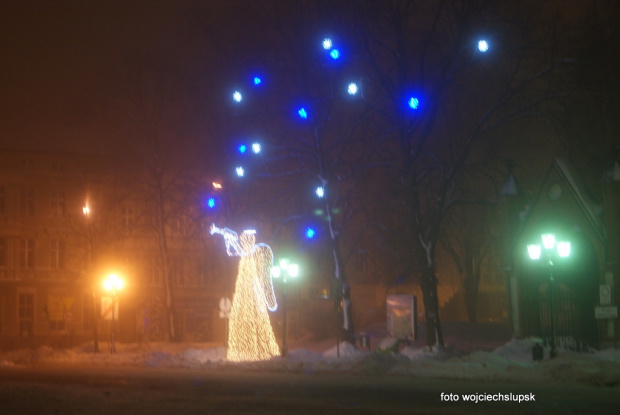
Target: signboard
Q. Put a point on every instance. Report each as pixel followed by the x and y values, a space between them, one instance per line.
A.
pixel 59 308
pixel 401 316
pixel 606 312
pixel 605 294
pixel 107 303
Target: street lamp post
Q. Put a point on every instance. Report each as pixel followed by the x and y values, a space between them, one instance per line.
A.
pixel 95 312
pixel 113 284
pixel 550 248
pixel 282 273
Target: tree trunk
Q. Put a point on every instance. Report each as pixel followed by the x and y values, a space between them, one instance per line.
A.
pixel 162 241
pixel 471 299
pixel 344 306
pixel 434 333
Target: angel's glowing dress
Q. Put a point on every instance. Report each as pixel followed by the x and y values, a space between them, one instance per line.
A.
pixel 250 336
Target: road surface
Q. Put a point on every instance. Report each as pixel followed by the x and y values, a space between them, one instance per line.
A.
pixel 66 390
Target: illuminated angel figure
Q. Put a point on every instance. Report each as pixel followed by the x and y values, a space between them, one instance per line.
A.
pixel 250 336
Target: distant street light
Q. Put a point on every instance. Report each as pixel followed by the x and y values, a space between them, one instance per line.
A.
pixel 282 273
pixel 551 249
pixel 113 284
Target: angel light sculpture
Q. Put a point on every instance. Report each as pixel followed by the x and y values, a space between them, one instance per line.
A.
pixel 250 335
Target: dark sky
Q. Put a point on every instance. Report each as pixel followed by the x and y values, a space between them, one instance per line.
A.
pixel 55 57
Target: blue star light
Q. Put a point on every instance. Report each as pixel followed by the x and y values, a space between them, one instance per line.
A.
pixel 352 88
pixel 242 149
pixel 414 103
pixel 335 54
pixel 257 80
pixel 302 113
pixel 211 202
pixel 310 232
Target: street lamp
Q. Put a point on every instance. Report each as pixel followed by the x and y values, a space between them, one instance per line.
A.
pixel 549 249
pixel 282 273
pixel 94 320
pixel 113 284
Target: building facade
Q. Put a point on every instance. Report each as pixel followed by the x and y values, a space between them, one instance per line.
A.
pixel 66 222
pixel 569 298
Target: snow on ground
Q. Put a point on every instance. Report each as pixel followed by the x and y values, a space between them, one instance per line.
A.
pixel 510 361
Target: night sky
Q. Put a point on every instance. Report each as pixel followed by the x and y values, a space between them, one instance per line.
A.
pixel 58 56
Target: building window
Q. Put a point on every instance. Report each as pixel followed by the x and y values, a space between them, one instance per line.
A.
pixel 26 314
pixel 26 254
pixel 26 202
pixel 58 255
pixel 177 272
pixel 2 200
pixel 57 325
pixel 58 204
pixel 127 218
pixel 2 252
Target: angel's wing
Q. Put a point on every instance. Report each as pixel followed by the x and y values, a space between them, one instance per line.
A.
pixel 263 260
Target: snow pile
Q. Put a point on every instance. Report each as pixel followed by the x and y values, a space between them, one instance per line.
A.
pixel 511 361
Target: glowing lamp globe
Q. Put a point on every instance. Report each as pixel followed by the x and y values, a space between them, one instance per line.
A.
pixel 563 249
pixel 327 43
pixel 320 191
pixel 483 45
pixel 293 270
pixel 237 96
pixel 113 283
pixel 548 240
pixel 240 171
pixel 256 148
pixel 534 251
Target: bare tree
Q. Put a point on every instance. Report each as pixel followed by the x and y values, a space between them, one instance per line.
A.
pixel 160 158
pixel 464 93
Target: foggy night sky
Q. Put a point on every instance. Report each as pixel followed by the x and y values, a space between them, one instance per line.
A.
pixel 57 58
pixel 57 55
